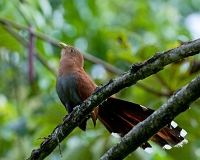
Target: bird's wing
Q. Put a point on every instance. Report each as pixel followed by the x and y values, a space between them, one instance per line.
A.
pixel 85 88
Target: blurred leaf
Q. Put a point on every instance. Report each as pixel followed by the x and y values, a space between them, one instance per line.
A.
pixel 8 41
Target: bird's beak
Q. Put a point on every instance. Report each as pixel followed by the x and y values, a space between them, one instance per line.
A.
pixel 63 45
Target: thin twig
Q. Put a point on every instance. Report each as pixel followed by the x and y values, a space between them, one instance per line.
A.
pixel 21 10
pixel 35 33
pixel 25 43
pixel 31 50
pixel 106 65
pixel 153 91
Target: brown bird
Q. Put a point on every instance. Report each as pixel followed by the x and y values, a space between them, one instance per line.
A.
pixel 74 86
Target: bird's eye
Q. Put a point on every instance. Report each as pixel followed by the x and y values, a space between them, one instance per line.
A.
pixel 72 50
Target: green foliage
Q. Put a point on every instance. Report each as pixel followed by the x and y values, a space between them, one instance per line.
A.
pixel 118 32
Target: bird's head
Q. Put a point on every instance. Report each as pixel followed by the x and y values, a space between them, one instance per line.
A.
pixel 71 58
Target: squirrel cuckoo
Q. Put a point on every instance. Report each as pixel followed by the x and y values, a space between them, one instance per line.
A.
pixel 74 86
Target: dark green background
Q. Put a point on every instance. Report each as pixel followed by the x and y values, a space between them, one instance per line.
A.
pixel 118 32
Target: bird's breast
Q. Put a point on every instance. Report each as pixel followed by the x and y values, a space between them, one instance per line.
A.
pixel 67 89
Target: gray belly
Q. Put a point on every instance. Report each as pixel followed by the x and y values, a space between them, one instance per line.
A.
pixel 67 90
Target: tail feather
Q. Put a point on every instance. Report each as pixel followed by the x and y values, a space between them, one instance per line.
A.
pixel 158 140
pixel 110 122
pixel 120 116
pixel 168 134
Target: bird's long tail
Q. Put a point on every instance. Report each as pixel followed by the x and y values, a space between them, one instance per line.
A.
pixel 120 116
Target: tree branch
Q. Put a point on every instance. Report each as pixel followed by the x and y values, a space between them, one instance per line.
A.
pixel 179 102
pixel 137 72
pixel 24 42
pixel 26 28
